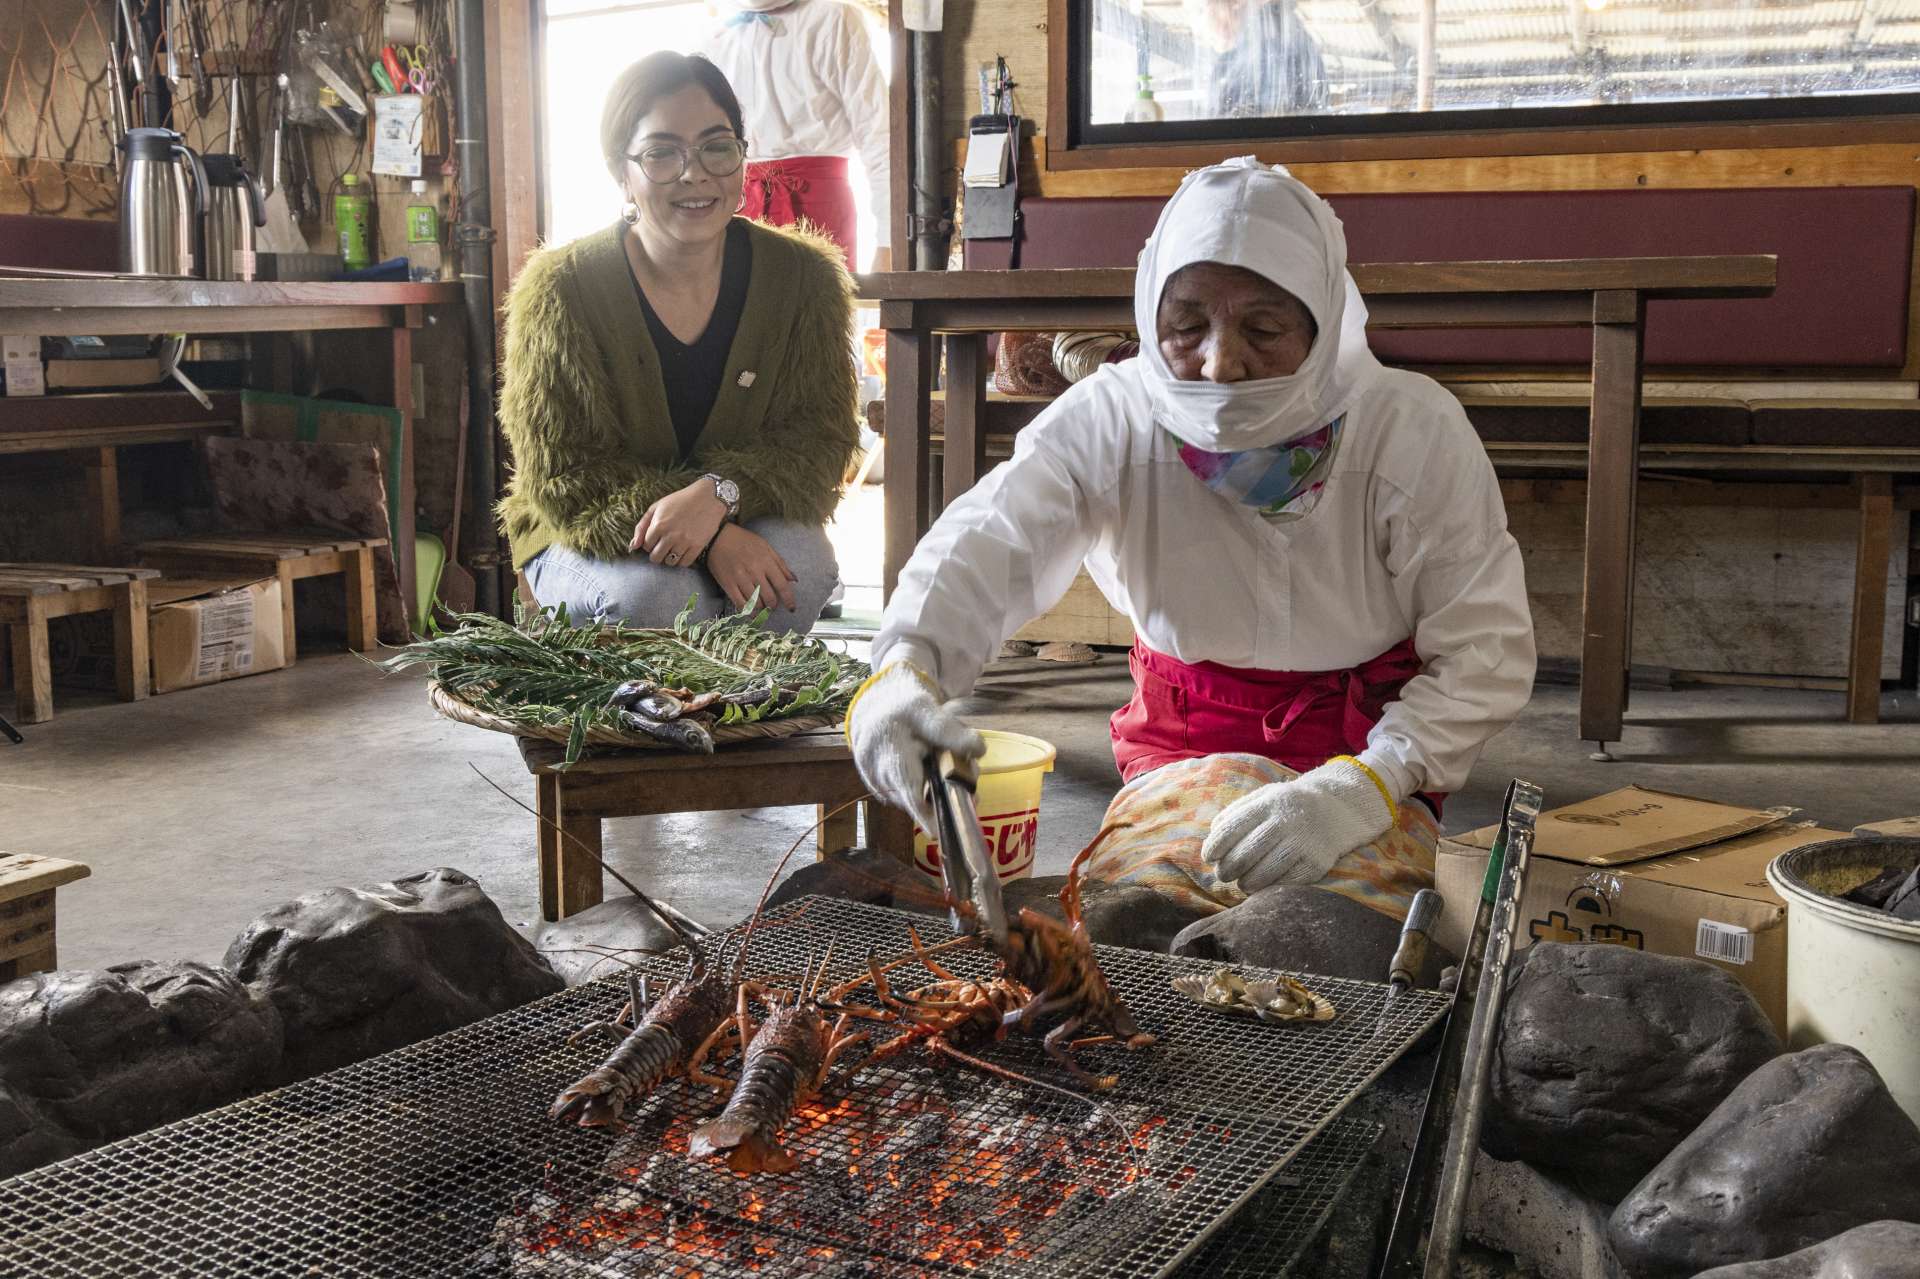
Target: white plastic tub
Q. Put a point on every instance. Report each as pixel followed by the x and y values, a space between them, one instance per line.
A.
pixel 1853 973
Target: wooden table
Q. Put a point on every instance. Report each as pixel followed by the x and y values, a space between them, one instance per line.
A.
pixel 813 768
pixel 68 307
pixel 27 886
pixel 1608 295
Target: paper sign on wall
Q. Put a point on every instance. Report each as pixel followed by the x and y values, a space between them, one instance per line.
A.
pixel 397 129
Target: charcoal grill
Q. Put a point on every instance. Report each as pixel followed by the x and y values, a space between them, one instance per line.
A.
pixel 439 1159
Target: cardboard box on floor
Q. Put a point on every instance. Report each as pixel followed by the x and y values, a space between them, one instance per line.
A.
pixel 205 630
pixel 1643 868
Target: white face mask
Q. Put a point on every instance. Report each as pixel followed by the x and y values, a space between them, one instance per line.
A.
pixel 1228 417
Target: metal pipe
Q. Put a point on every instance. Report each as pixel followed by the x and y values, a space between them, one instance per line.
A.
pixel 929 225
pixel 473 237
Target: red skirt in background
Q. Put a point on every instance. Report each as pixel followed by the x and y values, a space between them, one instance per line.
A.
pixel 1300 719
pixel 811 188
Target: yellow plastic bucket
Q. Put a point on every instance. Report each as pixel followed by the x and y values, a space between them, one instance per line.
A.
pixel 1008 799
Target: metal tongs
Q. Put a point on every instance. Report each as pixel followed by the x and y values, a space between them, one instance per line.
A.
pixel 966 864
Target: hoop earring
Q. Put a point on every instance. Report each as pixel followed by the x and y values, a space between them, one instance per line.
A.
pixel 629 213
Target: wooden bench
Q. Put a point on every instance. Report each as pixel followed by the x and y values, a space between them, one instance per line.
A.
pixel 289 557
pixel 810 769
pixel 30 594
pixel 27 885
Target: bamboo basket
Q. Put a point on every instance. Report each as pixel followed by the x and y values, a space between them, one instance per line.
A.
pixel 461 712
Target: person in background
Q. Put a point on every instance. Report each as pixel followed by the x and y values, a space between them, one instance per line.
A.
pixel 1331 616
pixel 811 95
pixel 678 391
pixel 1255 58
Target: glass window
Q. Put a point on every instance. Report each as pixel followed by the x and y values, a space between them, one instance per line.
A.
pixel 1146 61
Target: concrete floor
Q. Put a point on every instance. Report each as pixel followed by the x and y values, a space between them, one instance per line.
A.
pixel 199 809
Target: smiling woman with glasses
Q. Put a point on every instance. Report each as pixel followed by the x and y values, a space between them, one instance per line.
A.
pixel 680 392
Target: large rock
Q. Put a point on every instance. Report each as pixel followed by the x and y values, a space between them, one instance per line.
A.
pixel 862 875
pixel 1882 1250
pixel 596 942
pixel 359 971
pixel 1307 929
pixel 87 1057
pixel 1609 1056
pixel 1808 1147
pixel 1115 914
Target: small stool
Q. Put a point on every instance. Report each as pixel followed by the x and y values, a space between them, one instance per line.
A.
pixel 30 594
pixel 26 911
pixel 289 557
pixel 816 769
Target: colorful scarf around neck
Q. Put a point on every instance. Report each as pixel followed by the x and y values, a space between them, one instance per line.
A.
pixel 1284 479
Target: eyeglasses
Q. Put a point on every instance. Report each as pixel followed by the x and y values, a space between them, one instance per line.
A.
pixel 666 162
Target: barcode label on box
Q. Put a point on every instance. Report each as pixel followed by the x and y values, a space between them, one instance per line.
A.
pixel 1729 943
pixel 226 636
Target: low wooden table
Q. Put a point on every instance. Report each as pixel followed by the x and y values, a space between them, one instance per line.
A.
pixel 27 885
pixel 31 595
pixel 814 768
pixel 290 558
pixel 1608 295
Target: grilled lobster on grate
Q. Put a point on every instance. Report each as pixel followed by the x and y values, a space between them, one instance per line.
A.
pixel 786 1062
pixel 659 1046
pixel 1046 969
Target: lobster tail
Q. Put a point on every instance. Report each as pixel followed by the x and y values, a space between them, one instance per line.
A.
pixel 716 1135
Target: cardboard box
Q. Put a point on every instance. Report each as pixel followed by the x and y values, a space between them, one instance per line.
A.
pixel 90 374
pixel 20 360
pixel 205 630
pixel 1636 867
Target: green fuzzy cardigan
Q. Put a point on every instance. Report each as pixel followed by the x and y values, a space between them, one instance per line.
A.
pixel 585 411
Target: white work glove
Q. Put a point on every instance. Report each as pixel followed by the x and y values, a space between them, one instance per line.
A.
pixel 895 722
pixel 1293 832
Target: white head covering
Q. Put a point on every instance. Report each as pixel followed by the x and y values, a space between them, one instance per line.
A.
pixel 1245 214
pixel 750 6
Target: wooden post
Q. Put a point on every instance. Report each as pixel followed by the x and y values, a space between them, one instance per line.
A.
pixel 909 374
pixel 580 846
pixel 965 455
pixel 547 839
pixel 363 625
pixel 838 832
pixel 132 667
pixel 403 539
pixel 32 663
pixel 1613 465
pixel 103 503
pixel 1869 598
pixel 889 830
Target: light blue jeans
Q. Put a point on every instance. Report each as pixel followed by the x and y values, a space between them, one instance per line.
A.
pixel 638 592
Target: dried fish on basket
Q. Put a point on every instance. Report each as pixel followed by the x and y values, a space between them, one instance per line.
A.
pixel 544 676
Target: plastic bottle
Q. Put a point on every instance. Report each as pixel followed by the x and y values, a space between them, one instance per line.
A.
pixel 353 214
pixel 1143 109
pixel 423 235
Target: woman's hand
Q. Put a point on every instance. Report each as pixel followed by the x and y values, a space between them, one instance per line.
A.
pixel 740 561
pixel 674 529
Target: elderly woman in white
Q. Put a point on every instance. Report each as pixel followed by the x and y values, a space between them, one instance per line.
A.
pixel 1330 612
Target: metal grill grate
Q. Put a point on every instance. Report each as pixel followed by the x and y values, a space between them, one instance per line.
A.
pixel 439 1159
pixel 1265 1239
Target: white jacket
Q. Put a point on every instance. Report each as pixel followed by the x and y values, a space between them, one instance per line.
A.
pixel 808 84
pixel 1409 538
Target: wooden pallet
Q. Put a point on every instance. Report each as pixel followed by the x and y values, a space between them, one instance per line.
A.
pixel 31 594
pixel 27 885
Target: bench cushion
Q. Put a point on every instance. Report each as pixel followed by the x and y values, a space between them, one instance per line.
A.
pixel 1841 301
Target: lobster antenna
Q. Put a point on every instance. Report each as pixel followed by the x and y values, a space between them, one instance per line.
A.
pixel 753 922
pixel 679 930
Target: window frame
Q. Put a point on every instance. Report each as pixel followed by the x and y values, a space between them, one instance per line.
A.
pixel 1074 142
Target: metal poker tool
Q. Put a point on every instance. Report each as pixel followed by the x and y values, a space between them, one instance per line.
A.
pixel 1410 956
pixel 966 864
pixel 1424 1238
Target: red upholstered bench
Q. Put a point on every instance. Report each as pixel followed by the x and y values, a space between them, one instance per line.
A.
pixel 1841 302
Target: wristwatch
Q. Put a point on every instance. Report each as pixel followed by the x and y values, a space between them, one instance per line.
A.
pixel 727 491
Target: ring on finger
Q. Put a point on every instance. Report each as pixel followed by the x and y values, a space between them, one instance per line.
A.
pixel 673 557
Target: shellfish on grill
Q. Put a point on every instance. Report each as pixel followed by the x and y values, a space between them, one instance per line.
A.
pixel 1271 999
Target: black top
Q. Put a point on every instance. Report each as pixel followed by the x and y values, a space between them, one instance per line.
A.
pixel 691 372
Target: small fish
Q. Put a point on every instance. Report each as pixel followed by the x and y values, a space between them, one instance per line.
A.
pixel 687 734
pixel 631 692
pixel 659 706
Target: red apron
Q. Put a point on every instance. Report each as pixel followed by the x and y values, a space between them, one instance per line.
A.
pixel 810 187
pixel 1298 718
